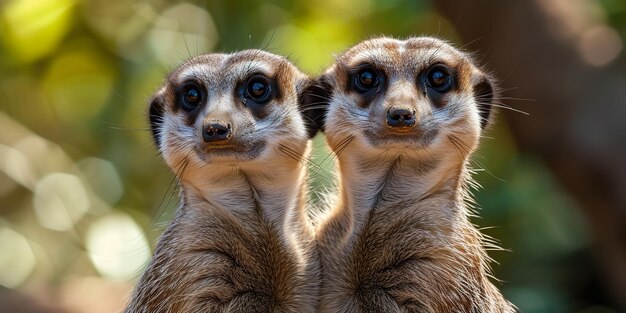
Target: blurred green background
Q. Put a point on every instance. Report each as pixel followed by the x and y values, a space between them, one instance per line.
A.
pixel 84 194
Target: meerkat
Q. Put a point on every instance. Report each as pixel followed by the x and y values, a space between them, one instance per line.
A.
pixel 229 127
pixel 403 118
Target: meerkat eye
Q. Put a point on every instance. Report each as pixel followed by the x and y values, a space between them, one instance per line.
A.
pixel 366 79
pixel 191 97
pixel 258 89
pixel 439 79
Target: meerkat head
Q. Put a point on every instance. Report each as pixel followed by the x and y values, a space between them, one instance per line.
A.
pixel 419 94
pixel 230 109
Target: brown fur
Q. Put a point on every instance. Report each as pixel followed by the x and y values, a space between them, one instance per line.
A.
pixel 398 237
pixel 240 240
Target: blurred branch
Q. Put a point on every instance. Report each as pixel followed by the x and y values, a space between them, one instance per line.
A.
pixel 576 123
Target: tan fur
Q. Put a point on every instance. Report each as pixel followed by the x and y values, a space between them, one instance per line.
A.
pixel 240 240
pixel 398 238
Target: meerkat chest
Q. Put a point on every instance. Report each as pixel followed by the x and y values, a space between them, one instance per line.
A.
pixel 393 258
pixel 226 256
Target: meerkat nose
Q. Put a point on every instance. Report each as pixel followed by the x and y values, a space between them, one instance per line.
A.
pixel 400 117
pixel 217 132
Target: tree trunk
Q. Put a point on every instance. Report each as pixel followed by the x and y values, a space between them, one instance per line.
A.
pixel 578 116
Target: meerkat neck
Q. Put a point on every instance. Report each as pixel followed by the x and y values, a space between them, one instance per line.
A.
pixel 273 195
pixel 377 183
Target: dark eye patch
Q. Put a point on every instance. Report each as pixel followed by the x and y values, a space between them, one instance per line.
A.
pixel 439 79
pixel 191 98
pixel 191 95
pixel 436 81
pixel 258 88
pixel 257 91
pixel 366 80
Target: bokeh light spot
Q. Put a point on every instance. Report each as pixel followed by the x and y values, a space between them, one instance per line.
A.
pixel 600 45
pixel 34 28
pixel 182 31
pixel 17 166
pixel 314 44
pixel 60 200
pixel 44 155
pixel 17 260
pixel 117 247
pixel 79 82
pixel 103 178
pixel 121 23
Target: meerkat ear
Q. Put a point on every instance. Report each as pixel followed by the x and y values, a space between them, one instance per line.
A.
pixel 313 104
pixel 484 96
pixel 155 114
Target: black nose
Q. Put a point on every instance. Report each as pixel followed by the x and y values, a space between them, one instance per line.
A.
pixel 216 132
pixel 400 117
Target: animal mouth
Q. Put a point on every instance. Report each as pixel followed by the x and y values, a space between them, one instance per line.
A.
pixel 401 137
pixel 220 147
pixel 230 152
pixel 402 131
